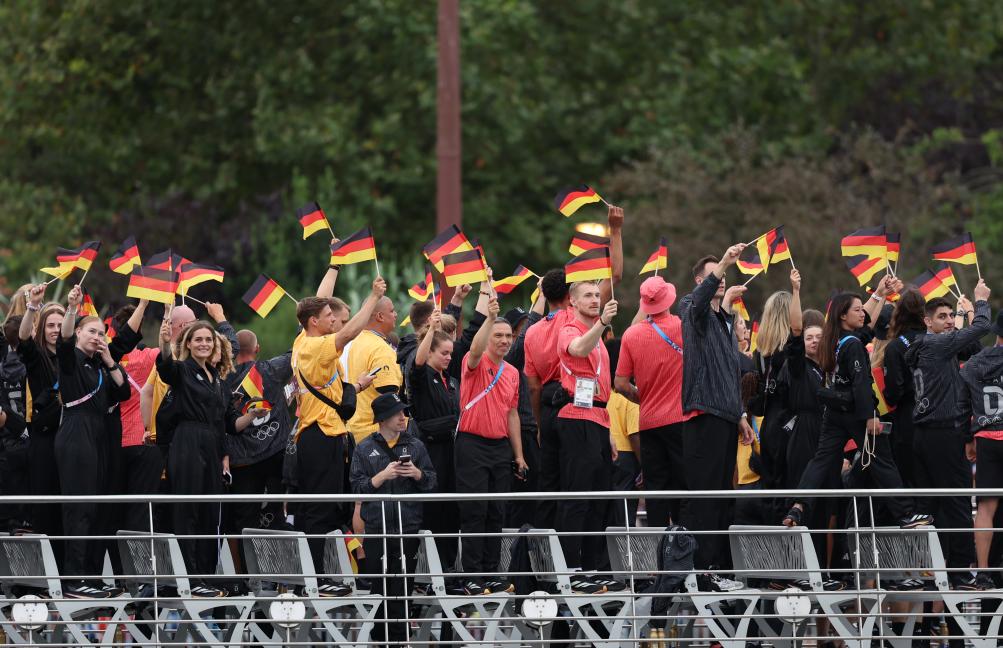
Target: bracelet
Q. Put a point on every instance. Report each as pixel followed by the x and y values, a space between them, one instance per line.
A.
pixel 335 267
pixel 32 308
pixel 603 323
pixel 484 292
pixel 876 298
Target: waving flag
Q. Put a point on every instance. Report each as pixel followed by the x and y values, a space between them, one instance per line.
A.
pixel 193 274
pixel 155 284
pixel 754 337
pixel 508 284
pixel 423 289
pixel 750 262
pixel 878 385
pixel 580 242
pixel 870 242
pixel 738 307
pixel 960 249
pixel 126 257
pixel 166 260
pixel 590 265
pixel 447 241
pixel 659 259
pixel 312 218
pixel 465 267
pixel 87 306
pixel 263 294
pixel 894 243
pixel 568 201
pixel 356 248
pixel 69 260
pixel 254 387
pixel 864 268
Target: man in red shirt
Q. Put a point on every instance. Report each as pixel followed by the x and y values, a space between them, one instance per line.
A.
pixel 650 373
pixel 583 431
pixel 488 444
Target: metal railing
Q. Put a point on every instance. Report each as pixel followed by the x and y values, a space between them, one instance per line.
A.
pixel 788 592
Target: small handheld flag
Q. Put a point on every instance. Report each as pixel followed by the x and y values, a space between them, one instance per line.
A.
pixel 591 265
pixel 447 241
pixel 754 337
pixel 68 260
pixel 738 307
pixel 263 294
pixel 960 249
pixel 894 243
pixel 313 220
pixel 193 274
pixel 878 385
pixel 126 257
pixel 87 306
pixel 254 387
pixel 869 242
pixel 356 248
pixel 749 262
pixel 508 284
pixel 570 200
pixel 421 290
pixel 465 267
pixel 581 241
pixel 659 259
pixel 166 260
pixel 930 286
pixel 864 268
pixel 155 284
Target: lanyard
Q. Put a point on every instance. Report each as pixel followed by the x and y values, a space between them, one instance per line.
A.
pixel 905 341
pixel 487 389
pixel 84 399
pixel 665 337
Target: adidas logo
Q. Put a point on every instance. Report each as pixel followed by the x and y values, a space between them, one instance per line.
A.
pixel 374 453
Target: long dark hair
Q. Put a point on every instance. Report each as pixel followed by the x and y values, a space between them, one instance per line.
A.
pixel 833 330
pixel 908 313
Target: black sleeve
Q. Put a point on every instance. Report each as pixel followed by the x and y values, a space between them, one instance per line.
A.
pixel 863 393
pixel 124 341
pixel 226 330
pixel 119 393
pixel 66 354
pixel 516 356
pixel 699 307
pixel 281 367
pixel 169 369
pixel 462 344
pixel 898 378
pixel 455 311
pixel 388 389
pixel 795 357
pixel 429 480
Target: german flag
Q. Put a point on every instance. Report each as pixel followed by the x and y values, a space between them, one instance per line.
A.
pixel 465 267
pixel 109 335
pixel 447 241
pixel 263 294
pixel 193 274
pixel 930 286
pixel 166 260
pixel 870 242
pixel 751 263
pixel 775 246
pixel 155 284
pixel 754 337
pixel 68 260
pixel 738 307
pixel 423 289
pixel 580 242
pixel 659 259
pixel 312 218
pixel 126 257
pixel 87 306
pixel 534 296
pixel 356 248
pixel 878 385
pixel 960 249
pixel 894 242
pixel 864 268
pixel 569 200
pixel 591 265
pixel 944 272
pixel 254 387
pixel 508 284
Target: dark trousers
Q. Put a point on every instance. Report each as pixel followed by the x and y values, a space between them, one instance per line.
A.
pixel 663 469
pixel 81 458
pixel 44 480
pixel 482 466
pixel 14 480
pixel 522 512
pixel 550 457
pixel 710 445
pixel 586 465
pixel 626 469
pixel 391 581
pixel 443 517
pixel 258 478
pixel 320 467
pixel 195 464
pixel 941 463
pixel 142 467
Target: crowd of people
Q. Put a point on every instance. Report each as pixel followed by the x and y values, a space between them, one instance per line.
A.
pixel 548 399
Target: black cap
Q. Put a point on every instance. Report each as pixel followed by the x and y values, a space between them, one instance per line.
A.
pixel 998 326
pixel 385 406
pixel 515 316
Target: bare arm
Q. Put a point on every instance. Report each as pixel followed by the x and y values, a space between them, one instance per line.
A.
pixel 877 301
pixel 136 319
pixel 534 399
pixel 425 347
pixel 70 320
pixel 355 325
pixel 615 220
pixel 583 345
pixel 326 287
pixel 146 403
pixel 515 438
pixel 540 305
pixel 622 386
pixel 795 310
pixel 34 305
pixel 480 343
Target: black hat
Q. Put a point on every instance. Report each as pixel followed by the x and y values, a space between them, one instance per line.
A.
pixel 515 316
pixel 998 326
pixel 884 322
pixel 385 406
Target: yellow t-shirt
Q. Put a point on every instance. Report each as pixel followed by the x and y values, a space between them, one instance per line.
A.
pixel 159 391
pixel 317 359
pixel 393 444
pixel 746 475
pixel 369 351
pixel 622 420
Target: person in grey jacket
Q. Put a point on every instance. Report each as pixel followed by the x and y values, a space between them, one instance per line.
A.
pixel 981 403
pixel 711 376
pixel 391 461
pixel 939 440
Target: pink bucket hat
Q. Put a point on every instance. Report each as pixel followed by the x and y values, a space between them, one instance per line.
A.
pixel 657 295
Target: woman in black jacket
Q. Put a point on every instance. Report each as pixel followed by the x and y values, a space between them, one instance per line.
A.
pixel 204 413
pixel 850 413
pixel 435 407
pixel 90 383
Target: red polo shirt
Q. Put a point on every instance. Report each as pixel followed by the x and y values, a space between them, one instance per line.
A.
pixel 540 346
pixel 657 370
pixel 594 366
pixel 489 416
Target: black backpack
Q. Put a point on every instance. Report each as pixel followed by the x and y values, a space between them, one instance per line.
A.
pixel 675 553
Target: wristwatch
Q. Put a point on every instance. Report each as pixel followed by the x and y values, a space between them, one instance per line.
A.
pixel 875 297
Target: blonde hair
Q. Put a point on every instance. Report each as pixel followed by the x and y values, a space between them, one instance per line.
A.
pixel 775 325
pixel 448 324
pixel 225 365
pixel 181 352
pixel 878 353
pixel 18 303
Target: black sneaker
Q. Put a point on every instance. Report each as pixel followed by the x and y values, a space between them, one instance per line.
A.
pixel 985 582
pixel 715 583
pixel 963 582
pixel 907 585
pixel 915 520
pixel 85 591
pixel 331 589
pixel 206 591
pixel 473 587
pixel 111 589
pixel 611 584
pixel 498 585
pixel 582 584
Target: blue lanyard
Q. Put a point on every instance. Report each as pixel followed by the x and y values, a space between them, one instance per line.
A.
pixel 905 341
pixel 486 391
pixel 755 428
pixel 665 337
pixel 81 401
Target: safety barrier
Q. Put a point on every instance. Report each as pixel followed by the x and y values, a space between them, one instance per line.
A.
pixel 782 588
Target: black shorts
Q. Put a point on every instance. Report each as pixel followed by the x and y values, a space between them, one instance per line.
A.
pixel 989 463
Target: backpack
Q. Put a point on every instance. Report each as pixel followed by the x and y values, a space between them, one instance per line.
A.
pixel 675 553
pixel 520 562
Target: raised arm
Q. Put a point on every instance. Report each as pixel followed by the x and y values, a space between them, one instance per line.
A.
pixel 615 221
pixel 73 307
pixel 480 343
pixel 224 328
pixel 877 301
pixel 358 322
pixel 425 347
pixel 584 344
pixel 326 287
pixel 980 324
pixel 795 311
pixel 35 294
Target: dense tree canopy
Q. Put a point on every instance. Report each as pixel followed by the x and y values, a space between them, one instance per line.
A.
pixel 203 125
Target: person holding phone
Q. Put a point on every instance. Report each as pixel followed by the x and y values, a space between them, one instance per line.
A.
pixel 391 460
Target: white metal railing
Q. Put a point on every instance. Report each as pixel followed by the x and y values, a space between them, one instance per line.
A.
pixel 280 602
